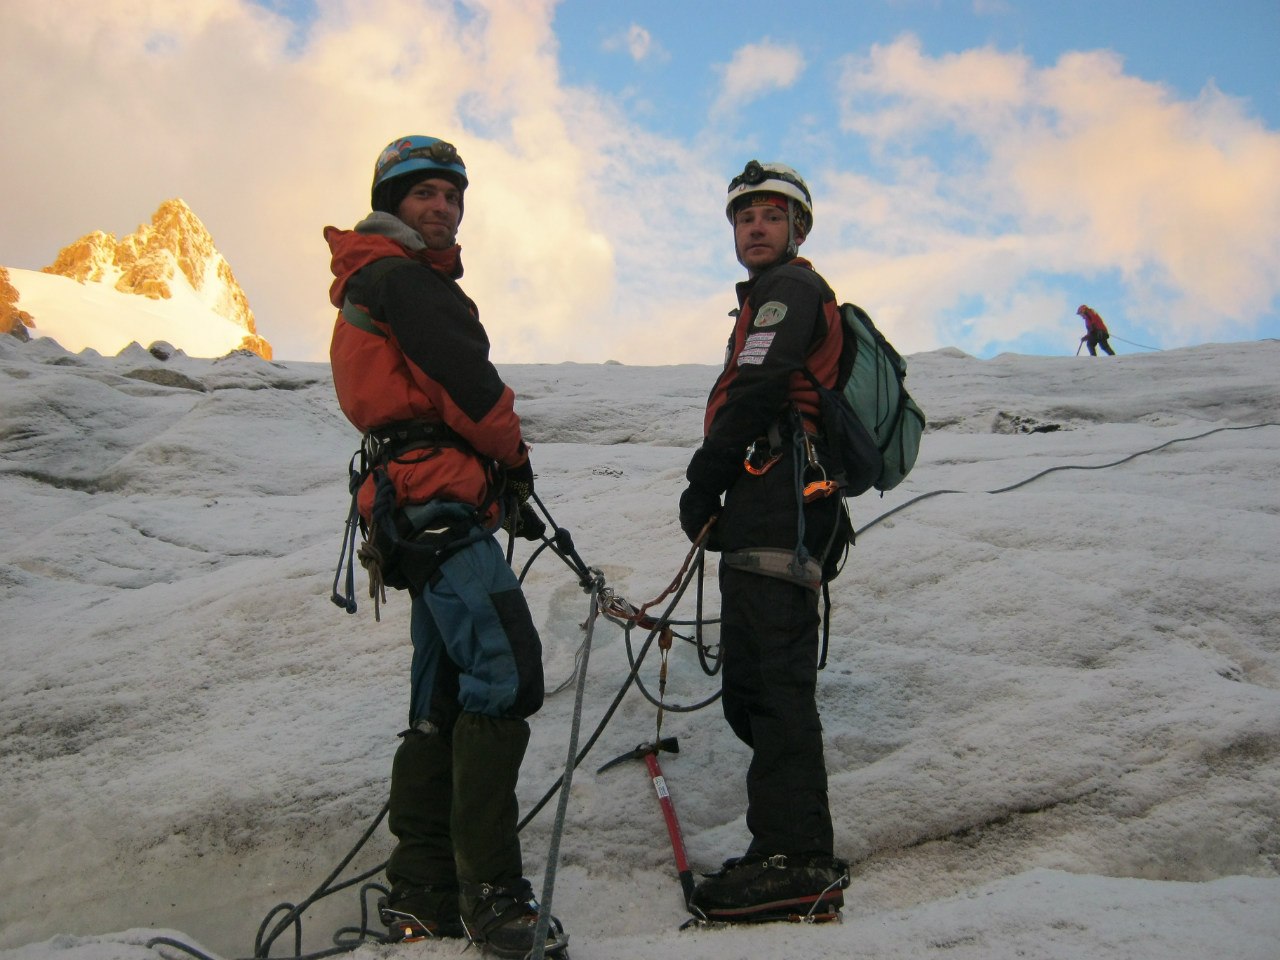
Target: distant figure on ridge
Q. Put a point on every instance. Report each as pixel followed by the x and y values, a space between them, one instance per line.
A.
pixel 412 372
pixel 1096 334
pixel 774 544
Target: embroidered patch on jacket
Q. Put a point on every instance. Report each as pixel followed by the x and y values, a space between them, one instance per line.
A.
pixel 771 313
pixel 754 348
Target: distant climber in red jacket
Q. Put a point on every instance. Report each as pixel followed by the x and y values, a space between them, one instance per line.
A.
pixel 1095 332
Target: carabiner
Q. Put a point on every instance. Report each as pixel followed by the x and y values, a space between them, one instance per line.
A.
pixel 760 458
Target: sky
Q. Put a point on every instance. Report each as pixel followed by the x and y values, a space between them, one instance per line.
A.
pixel 979 168
pixel 1051 711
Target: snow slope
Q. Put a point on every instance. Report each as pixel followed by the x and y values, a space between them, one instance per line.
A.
pixel 95 316
pixel 1052 713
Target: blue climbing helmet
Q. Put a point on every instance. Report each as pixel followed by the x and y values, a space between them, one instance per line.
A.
pixel 414 155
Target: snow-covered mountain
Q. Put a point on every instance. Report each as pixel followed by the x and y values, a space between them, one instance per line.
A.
pixel 166 281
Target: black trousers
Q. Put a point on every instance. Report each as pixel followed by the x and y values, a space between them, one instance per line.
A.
pixel 769 640
pixel 1100 340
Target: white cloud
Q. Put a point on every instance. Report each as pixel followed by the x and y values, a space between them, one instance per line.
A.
pixel 993 180
pixel 757 69
pixel 1078 168
pixel 638 43
pixel 269 136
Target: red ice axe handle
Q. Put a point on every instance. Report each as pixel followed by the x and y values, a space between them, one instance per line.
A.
pixel 673 825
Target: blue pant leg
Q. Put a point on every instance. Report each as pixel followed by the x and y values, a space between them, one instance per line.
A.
pixel 488 632
pixel 433 690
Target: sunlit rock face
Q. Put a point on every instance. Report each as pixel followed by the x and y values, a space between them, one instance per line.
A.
pixel 12 320
pixel 174 248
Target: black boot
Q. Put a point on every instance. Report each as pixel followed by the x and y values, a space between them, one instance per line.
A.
pixel 421 913
pixel 751 889
pixel 503 919
pixel 424 886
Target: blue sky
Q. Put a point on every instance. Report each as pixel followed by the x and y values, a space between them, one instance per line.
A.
pixel 1181 43
pixel 979 168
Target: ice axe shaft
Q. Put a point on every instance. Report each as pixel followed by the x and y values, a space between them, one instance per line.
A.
pixel 673 825
pixel 649 753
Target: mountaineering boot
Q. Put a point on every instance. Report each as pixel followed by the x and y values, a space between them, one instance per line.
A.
pixel 423 901
pixel 753 888
pixel 496 901
pixel 421 913
pixel 504 919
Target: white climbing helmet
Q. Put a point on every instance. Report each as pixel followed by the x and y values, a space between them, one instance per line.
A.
pixel 757 177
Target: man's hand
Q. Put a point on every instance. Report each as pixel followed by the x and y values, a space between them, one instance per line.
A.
pixel 697 506
pixel 524 522
pixel 520 481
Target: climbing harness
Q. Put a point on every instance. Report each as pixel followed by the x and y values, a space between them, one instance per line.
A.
pixel 404 546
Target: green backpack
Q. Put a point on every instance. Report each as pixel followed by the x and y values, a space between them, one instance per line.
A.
pixel 871 422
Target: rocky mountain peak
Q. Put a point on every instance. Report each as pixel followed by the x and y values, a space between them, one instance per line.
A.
pixel 175 247
pixel 12 320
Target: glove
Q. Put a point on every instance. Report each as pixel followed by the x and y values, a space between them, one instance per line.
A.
pixel 697 506
pixel 524 522
pixel 520 481
pixel 714 468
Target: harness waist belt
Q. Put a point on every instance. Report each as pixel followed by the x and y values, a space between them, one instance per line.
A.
pixel 777 563
pixel 393 439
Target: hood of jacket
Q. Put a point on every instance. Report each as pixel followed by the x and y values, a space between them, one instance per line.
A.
pixel 377 236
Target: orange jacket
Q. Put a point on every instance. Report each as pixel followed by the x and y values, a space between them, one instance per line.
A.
pixel 408 345
pixel 1092 322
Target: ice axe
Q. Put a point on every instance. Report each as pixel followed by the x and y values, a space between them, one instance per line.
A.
pixel 648 752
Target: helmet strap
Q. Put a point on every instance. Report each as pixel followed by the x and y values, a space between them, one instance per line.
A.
pixel 793 246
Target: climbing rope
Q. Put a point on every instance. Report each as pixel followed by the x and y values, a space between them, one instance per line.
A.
pixel 604 602
pixel 1132 344
pixel 616 609
pixel 566 780
pixel 1065 466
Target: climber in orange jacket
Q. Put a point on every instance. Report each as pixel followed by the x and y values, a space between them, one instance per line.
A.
pixel 412 372
pixel 1096 334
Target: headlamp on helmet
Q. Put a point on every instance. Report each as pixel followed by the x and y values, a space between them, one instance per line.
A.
pixel 757 177
pixel 423 156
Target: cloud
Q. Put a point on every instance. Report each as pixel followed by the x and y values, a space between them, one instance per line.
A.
pixel 960 196
pixel 269 131
pixel 757 69
pixel 1079 169
pixel 639 44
